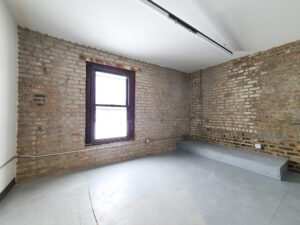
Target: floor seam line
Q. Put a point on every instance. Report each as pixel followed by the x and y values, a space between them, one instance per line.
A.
pixel 284 197
pixel 92 206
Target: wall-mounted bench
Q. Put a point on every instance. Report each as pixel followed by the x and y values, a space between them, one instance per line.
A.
pixel 268 165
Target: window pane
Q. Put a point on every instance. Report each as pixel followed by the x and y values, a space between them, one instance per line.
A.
pixel 111 122
pixel 110 89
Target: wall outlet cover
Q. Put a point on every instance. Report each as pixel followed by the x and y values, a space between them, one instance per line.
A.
pixel 258 146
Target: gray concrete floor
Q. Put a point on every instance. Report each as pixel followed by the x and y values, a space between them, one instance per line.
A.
pixel 175 188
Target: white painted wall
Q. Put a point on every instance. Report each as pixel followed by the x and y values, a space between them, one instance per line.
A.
pixel 8 94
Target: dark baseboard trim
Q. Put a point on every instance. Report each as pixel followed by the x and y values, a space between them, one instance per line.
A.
pixel 7 189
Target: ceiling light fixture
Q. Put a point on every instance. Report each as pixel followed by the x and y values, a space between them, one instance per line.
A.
pixel 187 26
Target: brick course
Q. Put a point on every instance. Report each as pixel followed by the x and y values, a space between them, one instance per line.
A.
pixel 52 107
pixel 254 99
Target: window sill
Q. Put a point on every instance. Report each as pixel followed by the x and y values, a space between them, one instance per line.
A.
pixel 108 141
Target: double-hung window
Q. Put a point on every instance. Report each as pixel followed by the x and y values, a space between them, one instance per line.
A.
pixel 110 98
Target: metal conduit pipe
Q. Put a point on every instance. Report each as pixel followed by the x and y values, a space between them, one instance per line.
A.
pixel 98 148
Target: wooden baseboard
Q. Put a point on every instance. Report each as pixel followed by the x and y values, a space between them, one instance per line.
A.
pixel 7 189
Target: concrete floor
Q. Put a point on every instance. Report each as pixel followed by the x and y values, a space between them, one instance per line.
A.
pixel 173 188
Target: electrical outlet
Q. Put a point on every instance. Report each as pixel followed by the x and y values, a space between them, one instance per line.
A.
pixel 258 146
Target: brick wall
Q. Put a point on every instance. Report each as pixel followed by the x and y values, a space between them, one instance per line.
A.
pixel 52 107
pixel 254 99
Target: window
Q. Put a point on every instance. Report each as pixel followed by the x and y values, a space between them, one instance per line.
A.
pixel 109 104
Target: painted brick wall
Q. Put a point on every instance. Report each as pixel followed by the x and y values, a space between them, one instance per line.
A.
pixel 254 99
pixel 52 107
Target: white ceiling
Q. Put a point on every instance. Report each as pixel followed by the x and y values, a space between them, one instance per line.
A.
pixel 130 28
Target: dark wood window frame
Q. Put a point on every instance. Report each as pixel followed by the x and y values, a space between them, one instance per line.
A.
pixel 91 69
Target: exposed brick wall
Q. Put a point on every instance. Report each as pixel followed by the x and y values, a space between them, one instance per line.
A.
pixel 254 99
pixel 52 107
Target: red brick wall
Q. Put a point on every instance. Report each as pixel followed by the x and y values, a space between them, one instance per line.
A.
pixel 52 107
pixel 254 99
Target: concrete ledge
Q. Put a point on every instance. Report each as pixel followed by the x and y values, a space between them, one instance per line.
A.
pixel 264 164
